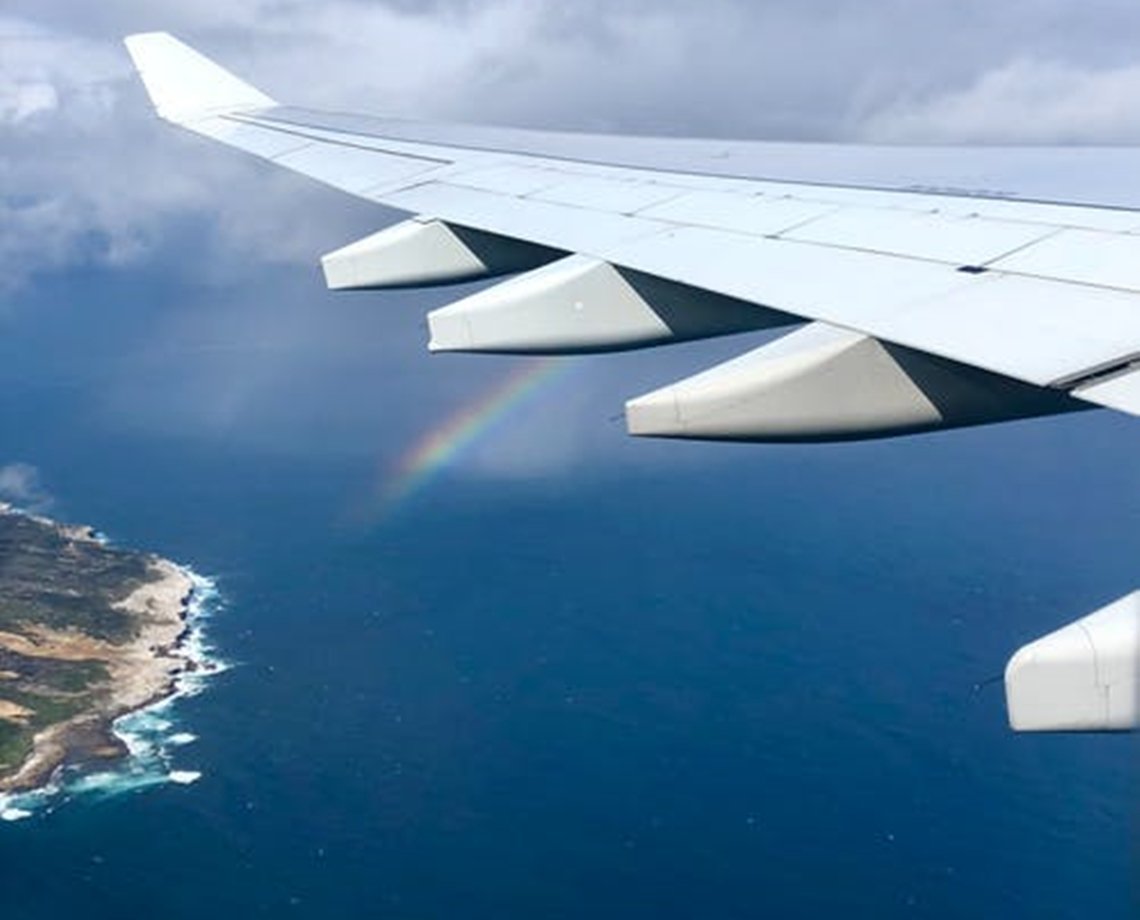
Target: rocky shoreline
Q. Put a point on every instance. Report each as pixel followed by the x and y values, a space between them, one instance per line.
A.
pixel 137 659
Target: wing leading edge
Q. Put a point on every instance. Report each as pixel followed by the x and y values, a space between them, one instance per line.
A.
pixel 926 301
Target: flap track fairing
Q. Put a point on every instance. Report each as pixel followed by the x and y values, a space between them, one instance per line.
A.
pixel 581 304
pixel 428 253
pixel 822 383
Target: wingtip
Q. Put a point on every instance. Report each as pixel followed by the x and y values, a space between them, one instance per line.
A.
pixel 136 38
pixel 145 47
pixel 184 84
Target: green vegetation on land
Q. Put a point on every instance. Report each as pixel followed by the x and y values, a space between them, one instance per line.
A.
pixel 49 579
pixel 52 578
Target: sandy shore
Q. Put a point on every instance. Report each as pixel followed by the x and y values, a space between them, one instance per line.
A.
pixel 142 672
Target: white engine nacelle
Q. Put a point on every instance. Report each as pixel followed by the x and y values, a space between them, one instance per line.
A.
pixel 1081 678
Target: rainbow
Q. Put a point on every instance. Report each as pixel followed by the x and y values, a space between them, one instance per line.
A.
pixel 440 448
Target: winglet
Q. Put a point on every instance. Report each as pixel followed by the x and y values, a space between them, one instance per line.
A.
pixel 185 85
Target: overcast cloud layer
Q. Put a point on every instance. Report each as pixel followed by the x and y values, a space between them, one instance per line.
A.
pixel 87 175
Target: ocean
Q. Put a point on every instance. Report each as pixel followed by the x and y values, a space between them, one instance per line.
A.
pixel 562 673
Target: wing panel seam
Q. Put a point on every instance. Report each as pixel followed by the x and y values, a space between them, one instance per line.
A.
pixel 258 123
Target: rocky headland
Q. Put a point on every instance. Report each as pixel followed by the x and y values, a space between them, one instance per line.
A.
pixel 88 633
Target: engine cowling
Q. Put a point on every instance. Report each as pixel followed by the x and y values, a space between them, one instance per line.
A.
pixel 1083 677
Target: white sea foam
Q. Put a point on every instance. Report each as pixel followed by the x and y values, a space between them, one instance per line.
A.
pixel 151 735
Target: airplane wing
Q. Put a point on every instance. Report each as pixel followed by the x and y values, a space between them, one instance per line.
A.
pixel 934 288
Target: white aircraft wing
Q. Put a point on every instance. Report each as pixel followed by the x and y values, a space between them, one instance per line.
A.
pixel 937 287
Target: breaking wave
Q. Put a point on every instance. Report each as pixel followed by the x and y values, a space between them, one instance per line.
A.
pixel 152 735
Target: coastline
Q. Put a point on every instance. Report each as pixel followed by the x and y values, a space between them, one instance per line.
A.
pixel 145 672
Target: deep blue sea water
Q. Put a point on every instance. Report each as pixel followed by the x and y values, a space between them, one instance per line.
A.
pixel 616 679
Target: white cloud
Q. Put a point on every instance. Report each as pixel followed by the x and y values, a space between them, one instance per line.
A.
pixel 22 485
pixel 1026 101
pixel 21 101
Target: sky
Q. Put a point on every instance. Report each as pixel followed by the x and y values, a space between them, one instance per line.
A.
pixel 91 182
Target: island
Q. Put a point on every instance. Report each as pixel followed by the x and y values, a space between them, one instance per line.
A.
pixel 88 633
